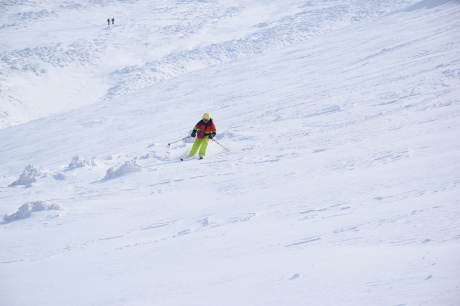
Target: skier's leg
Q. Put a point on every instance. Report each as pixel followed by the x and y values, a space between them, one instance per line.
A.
pixel 204 145
pixel 196 146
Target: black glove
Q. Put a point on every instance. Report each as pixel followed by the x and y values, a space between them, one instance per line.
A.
pixel 193 134
pixel 211 136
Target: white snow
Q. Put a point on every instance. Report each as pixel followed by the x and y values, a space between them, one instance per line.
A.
pixel 335 178
pixel 127 167
pixel 80 161
pixel 27 177
pixel 27 209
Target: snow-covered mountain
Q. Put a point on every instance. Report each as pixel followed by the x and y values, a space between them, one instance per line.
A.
pixel 335 178
pixel 61 55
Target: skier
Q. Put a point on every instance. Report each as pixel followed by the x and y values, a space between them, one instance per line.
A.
pixel 113 20
pixel 203 131
pixel 108 21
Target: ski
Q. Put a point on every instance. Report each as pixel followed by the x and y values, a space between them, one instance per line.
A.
pixel 190 157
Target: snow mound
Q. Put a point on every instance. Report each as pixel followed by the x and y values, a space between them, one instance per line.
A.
pixel 27 177
pixel 59 176
pixel 128 167
pixel 27 209
pixel 79 162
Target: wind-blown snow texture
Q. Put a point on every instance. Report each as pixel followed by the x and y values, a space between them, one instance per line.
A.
pixel 340 187
pixel 66 58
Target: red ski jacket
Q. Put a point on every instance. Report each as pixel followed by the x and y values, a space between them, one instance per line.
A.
pixel 206 128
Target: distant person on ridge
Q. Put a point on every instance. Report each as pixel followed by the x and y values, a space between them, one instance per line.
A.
pixel 113 20
pixel 108 21
pixel 203 131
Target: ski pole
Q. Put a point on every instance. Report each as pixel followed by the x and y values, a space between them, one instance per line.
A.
pixel 220 144
pixel 179 140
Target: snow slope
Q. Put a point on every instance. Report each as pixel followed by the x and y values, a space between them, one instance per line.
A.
pixel 60 55
pixel 340 185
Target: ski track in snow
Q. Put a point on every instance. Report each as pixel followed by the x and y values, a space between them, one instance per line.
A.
pixel 339 180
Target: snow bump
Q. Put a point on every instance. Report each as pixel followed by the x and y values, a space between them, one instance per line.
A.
pixel 79 162
pixel 128 167
pixel 29 208
pixel 27 177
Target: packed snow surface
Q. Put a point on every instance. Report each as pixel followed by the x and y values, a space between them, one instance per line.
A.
pixel 334 178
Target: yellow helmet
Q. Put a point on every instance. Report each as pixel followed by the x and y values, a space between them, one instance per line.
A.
pixel 207 116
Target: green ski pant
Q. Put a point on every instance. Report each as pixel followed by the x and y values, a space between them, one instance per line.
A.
pixel 200 143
